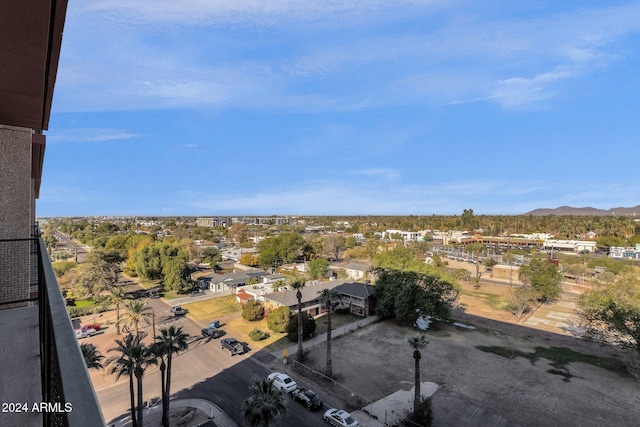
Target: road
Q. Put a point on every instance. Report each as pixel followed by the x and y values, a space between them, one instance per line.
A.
pixel 205 371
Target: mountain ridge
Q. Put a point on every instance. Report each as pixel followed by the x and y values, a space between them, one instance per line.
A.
pixel 569 210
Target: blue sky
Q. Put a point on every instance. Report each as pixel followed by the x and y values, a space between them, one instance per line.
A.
pixel 204 107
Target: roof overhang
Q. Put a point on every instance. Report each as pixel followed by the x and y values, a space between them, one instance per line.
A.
pixel 30 41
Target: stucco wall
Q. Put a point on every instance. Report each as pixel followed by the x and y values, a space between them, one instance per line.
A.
pixel 15 182
pixel 15 211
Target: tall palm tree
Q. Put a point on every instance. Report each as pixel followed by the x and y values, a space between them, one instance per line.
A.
pixel 92 356
pixel 265 405
pixel 142 357
pixel 123 364
pixel 417 342
pixel 327 295
pixel 117 296
pixel 170 341
pixel 135 311
pixel 298 285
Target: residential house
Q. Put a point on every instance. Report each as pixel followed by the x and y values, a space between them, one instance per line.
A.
pixel 357 297
pixel 356 270
pixel 230 281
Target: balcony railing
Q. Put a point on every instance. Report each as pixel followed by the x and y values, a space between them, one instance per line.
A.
pixel 26 279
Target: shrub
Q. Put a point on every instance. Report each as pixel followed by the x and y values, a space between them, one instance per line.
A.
pixel 279 319
pixel 253 310
pixel 257 335
pixel 308 326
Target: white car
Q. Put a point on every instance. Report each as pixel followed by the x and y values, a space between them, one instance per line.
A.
pixel 339 418
pixel 282 382
pixel 85 332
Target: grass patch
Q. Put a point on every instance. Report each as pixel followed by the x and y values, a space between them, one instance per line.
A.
pixel 337 320
pixel 85 302
pixel 560 357
pixel 210 309
pixel 494 301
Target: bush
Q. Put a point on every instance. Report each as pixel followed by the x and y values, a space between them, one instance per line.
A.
pixel 279 319
pixel 257 335
pixel 253 310
pixel 308 326
pixel 84 311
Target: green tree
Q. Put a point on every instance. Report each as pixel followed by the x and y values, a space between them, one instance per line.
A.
pixel 279 319
pixel 417 343
pixel 123 364
pixel 135 312
pixel 265 405
pixel 117 296
pixel 467 218
pixel 92 356
pixel 407 295
pixel 170 342
pixel 252 310
pixel 212 256
pixel 239 232
pixel 326 297
pixel 612 313
pixel 317 268
pixel 308 328
pixel 544 277
pixel 520 300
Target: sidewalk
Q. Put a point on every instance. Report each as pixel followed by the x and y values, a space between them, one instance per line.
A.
pixel 203 413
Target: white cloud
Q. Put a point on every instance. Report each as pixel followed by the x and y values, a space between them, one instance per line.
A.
pixel 89 135
pixel 385 173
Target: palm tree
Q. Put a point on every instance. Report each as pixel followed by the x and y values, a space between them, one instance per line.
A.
pixel 170 341
pixel 123 364
pixel 117 296
pixel 417 342
pixel 142 357
pixel 297 285
pixel 327 295
pixel 92 356
pixel 265 405
pixel 135 311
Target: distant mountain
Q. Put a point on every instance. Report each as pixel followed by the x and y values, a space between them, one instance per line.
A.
pixel 568 210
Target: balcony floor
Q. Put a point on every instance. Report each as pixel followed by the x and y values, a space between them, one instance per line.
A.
pixel 20 365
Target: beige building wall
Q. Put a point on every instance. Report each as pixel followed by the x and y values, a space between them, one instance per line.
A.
pixel 16 211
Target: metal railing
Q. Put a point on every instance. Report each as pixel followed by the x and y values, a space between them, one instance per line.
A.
pixel 27 278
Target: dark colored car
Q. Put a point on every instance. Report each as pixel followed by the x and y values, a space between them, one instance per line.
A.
pixel 212 333
pixel 307 397
pixel 232 345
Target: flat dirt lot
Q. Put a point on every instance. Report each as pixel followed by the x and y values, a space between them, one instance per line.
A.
pixel 376 361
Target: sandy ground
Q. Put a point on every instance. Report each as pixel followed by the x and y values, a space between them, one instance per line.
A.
pixel 376 361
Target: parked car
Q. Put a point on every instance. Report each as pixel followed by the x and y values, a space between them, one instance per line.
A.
pixel 307 397
pixel 153 294
pixel 339 418
pixel 178 311
pixel 282 382
pixel 84 333
pixel 196 293
pixel 212 332
pixel 94 326
pixel 232 345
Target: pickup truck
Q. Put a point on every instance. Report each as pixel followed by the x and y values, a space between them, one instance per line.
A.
pixel 178 311
pixel 232 345
pixel 307 397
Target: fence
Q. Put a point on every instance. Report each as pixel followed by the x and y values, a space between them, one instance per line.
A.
pixel 352 399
